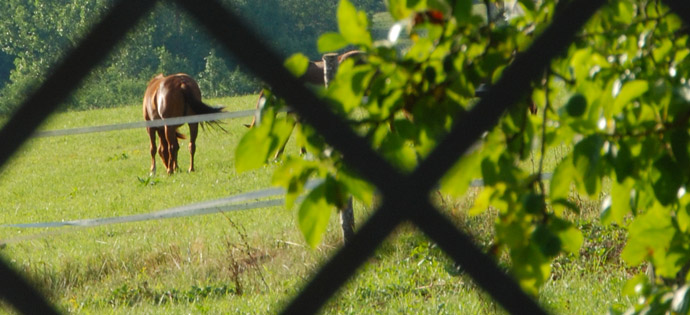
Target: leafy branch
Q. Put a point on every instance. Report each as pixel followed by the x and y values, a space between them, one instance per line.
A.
pixel 619 105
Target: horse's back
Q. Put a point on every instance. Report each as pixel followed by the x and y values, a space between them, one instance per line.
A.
pixel 357 54
pixel 188 83
pixel 314 73
pixel 171 94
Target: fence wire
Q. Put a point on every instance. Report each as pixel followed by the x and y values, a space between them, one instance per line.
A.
pixel 405 197
pixel 144 124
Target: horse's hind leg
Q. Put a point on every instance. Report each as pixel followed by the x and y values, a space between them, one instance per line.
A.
pixel 152 148
pixel 173 147
pixel 193 132
pixel 163 147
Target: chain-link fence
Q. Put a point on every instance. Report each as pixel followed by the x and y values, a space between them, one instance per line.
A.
pixel 405 196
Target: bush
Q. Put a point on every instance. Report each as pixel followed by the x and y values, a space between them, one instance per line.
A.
pixel 217 80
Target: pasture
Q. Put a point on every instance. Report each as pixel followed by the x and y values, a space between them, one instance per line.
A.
pixel 247 262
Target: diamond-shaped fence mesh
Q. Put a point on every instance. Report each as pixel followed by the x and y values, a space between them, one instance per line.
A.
pixel 405 197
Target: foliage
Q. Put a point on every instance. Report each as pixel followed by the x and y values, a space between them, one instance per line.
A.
pixel 220 81
pixel 618 96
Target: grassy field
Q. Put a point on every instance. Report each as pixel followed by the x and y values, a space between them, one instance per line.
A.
pixel 247 262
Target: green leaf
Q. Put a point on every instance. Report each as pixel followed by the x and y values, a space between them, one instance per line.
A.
pixel 482 201
pixel 624 12
pixel 579 62
pixel 586 159
pixel 309 139
pixel 514 231
pixel 421 50
pixel 399 152
pixel 571 240
pixel 348 89
pixel 623 162
pixel 570 236
pixel 462 11
pixel 629 91
pixel 533 203
pixel 561 179
pixel 456 181
pixel 637 285
pixel 620 202
pixel 353 24
pixel 666 179
pixel 560 204
pixel 398 9
pixel 650 233
pixel 549 244
pixel 683 216
pixel 667 263
pixel 660 52
pixel 576 105
pixel 529 4
pixel 330 42
pixel 297 64
pixel 530 267
pixel 314 214
pixel 263 141
pixel 681 54
pixel 679 145
pixel 355 185
pixel 255 146
pixel 292 175
pixel 280 133
pixel 489 171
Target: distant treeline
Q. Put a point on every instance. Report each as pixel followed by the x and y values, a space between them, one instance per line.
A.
pixel 36 34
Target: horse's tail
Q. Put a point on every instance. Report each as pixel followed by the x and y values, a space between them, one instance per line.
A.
pixel 200 107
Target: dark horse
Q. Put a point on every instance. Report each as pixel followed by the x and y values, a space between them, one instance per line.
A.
pixel 176 95
pixel 313 75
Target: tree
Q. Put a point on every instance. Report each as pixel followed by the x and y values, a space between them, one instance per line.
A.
pixel 165 41
pixel 6 65
pixel 617 98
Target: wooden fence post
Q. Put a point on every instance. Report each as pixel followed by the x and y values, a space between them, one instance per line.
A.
pixel 330 67
pixel 347 217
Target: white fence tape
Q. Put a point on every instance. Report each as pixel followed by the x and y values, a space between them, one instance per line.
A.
pixel 206 207
pixel 144 124
pixel 201 208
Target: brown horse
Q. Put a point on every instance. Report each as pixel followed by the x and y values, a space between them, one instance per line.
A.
pixel 176 95
pixel 313 75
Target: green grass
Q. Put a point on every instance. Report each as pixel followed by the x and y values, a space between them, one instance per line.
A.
pixel 250 261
